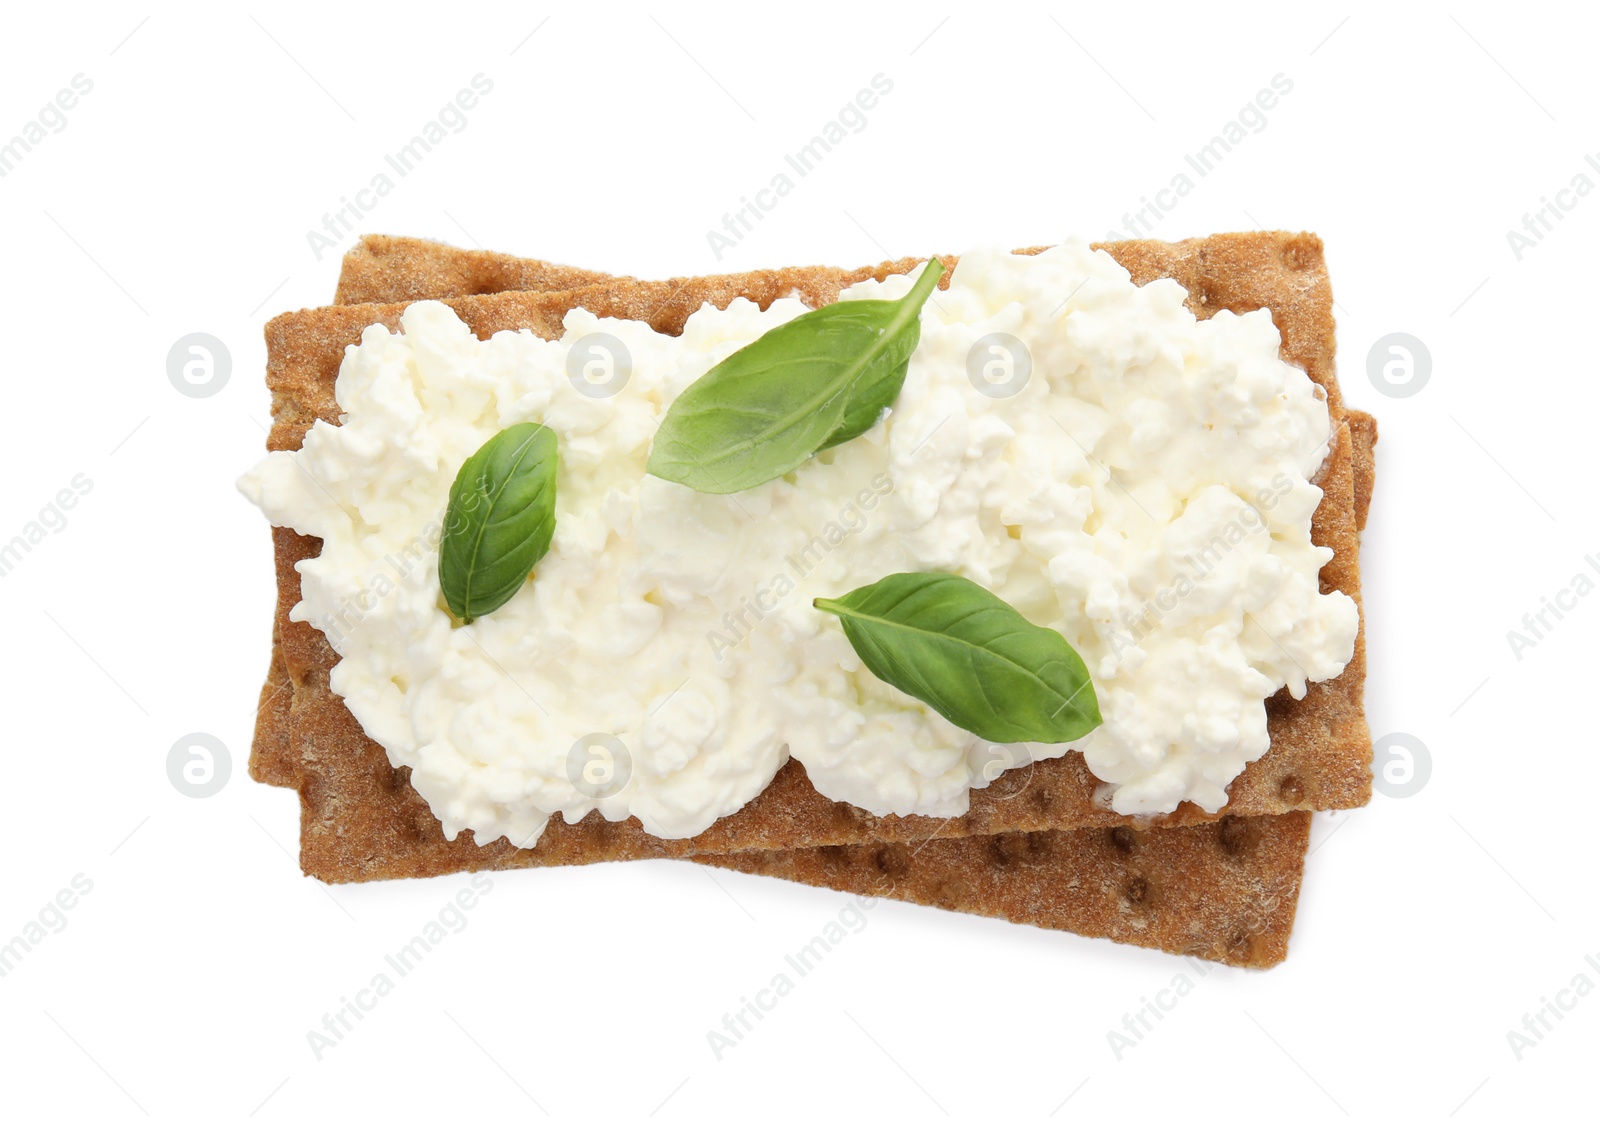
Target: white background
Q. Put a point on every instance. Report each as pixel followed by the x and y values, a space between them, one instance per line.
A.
pixel 178 198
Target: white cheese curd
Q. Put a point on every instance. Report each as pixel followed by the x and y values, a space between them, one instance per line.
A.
pixel 1146 492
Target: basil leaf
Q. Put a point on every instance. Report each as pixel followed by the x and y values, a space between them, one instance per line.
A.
pixel 816 381
pixel 971 657
pixel 499 521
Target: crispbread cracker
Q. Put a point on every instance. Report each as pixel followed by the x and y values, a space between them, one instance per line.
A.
pixel 967 882
pixel 1321 749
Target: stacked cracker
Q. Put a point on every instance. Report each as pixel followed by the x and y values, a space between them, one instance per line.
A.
pixel 1036 846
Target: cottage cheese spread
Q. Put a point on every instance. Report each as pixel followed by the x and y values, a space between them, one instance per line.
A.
pixel 1135 478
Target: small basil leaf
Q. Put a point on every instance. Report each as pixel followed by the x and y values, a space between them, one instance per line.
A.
pixel 971 657
pixel 816 381
pixel 499 521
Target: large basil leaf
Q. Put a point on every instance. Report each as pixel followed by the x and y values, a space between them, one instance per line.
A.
pixel 816 381
pixel 499 521
pixel 971 657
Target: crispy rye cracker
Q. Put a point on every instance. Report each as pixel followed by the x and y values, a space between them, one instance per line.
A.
pixel 1321 749
pixel 1029 855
